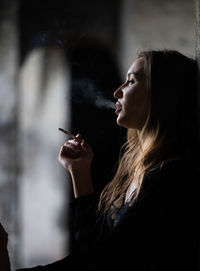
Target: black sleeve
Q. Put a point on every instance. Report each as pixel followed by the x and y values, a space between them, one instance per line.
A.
pixel 86 218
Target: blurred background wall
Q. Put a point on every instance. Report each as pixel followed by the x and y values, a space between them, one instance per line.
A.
pixel 60 64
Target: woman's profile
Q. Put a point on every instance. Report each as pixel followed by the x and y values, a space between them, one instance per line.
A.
pixel 146 218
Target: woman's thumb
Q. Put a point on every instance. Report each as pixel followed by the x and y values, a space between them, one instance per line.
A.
pixel 85 146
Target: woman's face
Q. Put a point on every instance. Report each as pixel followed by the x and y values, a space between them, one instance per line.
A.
pixel 130 105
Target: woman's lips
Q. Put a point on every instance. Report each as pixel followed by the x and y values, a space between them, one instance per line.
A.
pixel 118 107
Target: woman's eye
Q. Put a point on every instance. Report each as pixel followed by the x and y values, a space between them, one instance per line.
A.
pixel 130 82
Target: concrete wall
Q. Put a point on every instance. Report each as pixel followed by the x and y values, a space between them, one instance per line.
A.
pixel 43 183
pixel 156 24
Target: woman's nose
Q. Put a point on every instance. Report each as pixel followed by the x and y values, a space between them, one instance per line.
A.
pixel 118 93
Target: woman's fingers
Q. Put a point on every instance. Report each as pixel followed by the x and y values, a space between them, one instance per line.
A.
pixel 69 151
pixel 75 154
pixel 78 144
pixel 85 146
pixel 72 144
pixel 78 138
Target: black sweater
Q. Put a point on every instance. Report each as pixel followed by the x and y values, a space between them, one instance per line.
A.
pixel 159 232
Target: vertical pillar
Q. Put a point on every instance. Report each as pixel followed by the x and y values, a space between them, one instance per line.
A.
pixel 8 123
pixel 197 55
pixel 197 6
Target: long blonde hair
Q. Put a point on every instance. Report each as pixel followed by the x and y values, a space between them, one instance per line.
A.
pixel 159 139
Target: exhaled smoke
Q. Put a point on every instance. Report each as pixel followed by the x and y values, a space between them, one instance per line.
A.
pixel 102 102
pixel 87 91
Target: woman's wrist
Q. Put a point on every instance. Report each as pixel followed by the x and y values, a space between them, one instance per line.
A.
pixel 82 182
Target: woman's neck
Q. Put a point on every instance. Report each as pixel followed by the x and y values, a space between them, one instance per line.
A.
pixel 130 190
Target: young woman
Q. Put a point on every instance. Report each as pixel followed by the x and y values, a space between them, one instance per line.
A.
pixel 146 218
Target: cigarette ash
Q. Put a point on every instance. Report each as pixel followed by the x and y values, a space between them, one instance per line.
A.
pixel 88 91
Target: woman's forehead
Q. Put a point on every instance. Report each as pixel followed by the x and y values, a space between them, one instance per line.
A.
pixel 137 68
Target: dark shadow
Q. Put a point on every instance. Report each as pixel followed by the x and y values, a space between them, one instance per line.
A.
pixel 94 74
pixel 94 78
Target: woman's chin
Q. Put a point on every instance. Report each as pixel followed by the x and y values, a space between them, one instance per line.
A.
pixel 121 122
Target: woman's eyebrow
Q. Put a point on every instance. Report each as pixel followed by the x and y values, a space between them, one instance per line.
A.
pixel 131 73
pixel 138 75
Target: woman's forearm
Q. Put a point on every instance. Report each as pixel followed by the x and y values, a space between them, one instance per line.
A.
pixel 82 182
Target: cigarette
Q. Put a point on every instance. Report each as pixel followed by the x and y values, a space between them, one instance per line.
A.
pixel 66 132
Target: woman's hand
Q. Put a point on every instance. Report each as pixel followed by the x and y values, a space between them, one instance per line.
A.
pixel 4 257
pixel 76 156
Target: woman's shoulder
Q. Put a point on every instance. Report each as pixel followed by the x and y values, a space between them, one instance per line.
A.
pixel 174 171
pixel 172 179
pixel 176 166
